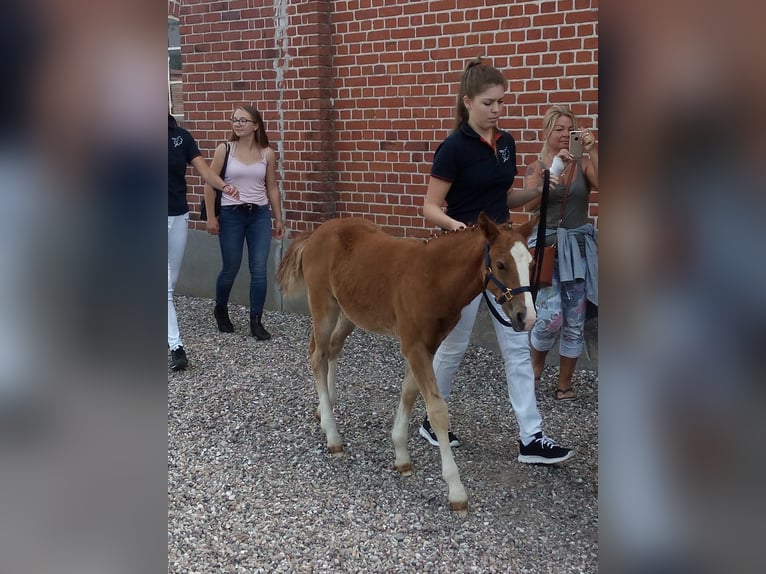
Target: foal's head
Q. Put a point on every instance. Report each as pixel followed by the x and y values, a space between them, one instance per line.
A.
pixel 508 271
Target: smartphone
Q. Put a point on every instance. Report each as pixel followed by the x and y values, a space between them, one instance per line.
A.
pixel 575 144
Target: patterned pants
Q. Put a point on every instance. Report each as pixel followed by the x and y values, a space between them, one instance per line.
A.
pixel 560 308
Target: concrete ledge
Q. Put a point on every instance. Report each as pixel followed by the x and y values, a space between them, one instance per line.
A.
pixel 202 263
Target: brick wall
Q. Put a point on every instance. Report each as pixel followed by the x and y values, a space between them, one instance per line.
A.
pixel 357 94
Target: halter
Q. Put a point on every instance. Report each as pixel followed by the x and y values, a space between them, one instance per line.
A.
pixel 506 295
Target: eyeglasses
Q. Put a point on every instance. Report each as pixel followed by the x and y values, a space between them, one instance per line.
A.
pixel 240 121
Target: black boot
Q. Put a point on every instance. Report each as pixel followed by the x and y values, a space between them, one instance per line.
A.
pixel 222 318
pixel 257 329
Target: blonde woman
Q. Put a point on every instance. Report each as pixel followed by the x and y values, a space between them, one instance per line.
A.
pixel 561 306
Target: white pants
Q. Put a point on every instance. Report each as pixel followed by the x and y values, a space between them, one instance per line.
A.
pixel 514 347
pixel 178 230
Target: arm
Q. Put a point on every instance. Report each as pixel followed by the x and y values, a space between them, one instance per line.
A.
pixel 533 187
pixel 272 190
pixel 210 173
pixel 432 205
pixel 215 168
pixel 534 178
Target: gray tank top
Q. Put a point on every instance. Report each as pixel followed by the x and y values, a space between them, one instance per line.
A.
pixel 575 211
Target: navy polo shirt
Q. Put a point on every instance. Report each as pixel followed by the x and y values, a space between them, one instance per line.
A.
pixel 480 176
pixel 181 150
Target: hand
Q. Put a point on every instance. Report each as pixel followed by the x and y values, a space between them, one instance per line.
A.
pixel 588 140
pixel 457 225
pixel 280 227
pixel 231 191
pixel 565 156
pixel 212 225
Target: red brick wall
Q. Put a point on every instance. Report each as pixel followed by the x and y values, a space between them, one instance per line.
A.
pixel 357 94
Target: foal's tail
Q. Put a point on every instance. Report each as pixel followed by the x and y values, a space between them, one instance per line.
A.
pixel 290 272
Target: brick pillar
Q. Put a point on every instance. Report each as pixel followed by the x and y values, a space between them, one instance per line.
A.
pixel 305 67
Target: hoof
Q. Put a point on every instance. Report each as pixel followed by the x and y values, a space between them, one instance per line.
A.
pixel 335 450
pixel 318 415
pixel 405 469
pixel 460 507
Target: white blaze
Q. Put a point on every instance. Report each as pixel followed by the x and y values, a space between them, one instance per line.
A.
pixel 523 258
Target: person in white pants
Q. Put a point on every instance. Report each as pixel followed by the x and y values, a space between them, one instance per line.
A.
pixel 514 347
pixel 182 151
pixel 473 172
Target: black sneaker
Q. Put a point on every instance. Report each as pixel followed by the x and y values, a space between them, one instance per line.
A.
pixel 178 360
pixel 427 433
pixel 543 450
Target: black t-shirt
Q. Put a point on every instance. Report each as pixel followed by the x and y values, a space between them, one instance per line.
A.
pixel 480 177
pixel 181 150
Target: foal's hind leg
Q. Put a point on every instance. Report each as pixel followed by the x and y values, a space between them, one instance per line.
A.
pixel 343 328
pixel 319 347
pixel 399 433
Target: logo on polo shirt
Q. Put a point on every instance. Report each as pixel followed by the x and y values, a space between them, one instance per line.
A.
pixel 177 141
pixel 505 154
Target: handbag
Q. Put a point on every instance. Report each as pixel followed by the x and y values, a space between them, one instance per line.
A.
pixel 218 192
pixel 544 269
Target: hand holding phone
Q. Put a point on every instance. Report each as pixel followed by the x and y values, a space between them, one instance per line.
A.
pixel 575 144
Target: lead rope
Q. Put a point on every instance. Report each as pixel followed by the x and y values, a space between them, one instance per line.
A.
pixel 540 244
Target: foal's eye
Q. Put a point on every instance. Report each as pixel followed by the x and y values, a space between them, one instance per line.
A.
pixel 501 265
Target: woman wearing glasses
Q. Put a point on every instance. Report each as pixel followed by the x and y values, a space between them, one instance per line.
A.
pixel 251 167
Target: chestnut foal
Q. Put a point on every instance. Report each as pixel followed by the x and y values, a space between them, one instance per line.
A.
pixel 358 275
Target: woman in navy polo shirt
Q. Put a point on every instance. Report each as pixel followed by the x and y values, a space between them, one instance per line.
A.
pixel 473 171
pixel 182 151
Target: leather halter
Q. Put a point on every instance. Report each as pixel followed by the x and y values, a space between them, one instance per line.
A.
pixel 506 295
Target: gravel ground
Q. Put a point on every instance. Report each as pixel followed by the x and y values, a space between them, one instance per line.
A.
pixel 252 489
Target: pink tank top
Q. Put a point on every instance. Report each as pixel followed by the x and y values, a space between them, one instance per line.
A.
pixel 249 179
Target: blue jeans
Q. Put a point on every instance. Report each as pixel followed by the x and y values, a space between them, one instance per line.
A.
pixel 238 224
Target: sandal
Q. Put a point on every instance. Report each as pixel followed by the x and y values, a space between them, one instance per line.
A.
pixel 565 394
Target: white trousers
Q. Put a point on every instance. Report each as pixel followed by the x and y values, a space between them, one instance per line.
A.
pixel 178 230
pixel 514 347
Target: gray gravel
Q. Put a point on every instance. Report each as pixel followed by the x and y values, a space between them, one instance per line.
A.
pixel 251 488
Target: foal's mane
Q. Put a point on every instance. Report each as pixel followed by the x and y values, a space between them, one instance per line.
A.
pixel 444 233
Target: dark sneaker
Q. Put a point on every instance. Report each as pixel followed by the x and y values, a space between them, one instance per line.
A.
pixel 543 450
pixel 427 433
pixel 178 360
pixel 257 329
pixel 222 318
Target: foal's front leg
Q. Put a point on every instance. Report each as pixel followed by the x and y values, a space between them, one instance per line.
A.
pixel 436 407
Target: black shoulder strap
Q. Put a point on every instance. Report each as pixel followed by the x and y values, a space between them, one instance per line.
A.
pixel 225 163
pixel 225 160
pixel 540 245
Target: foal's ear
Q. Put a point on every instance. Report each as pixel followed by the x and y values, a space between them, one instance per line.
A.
pixel 488 228
pixel 526 228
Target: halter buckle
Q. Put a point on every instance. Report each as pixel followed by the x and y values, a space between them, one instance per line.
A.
pixel 504 297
